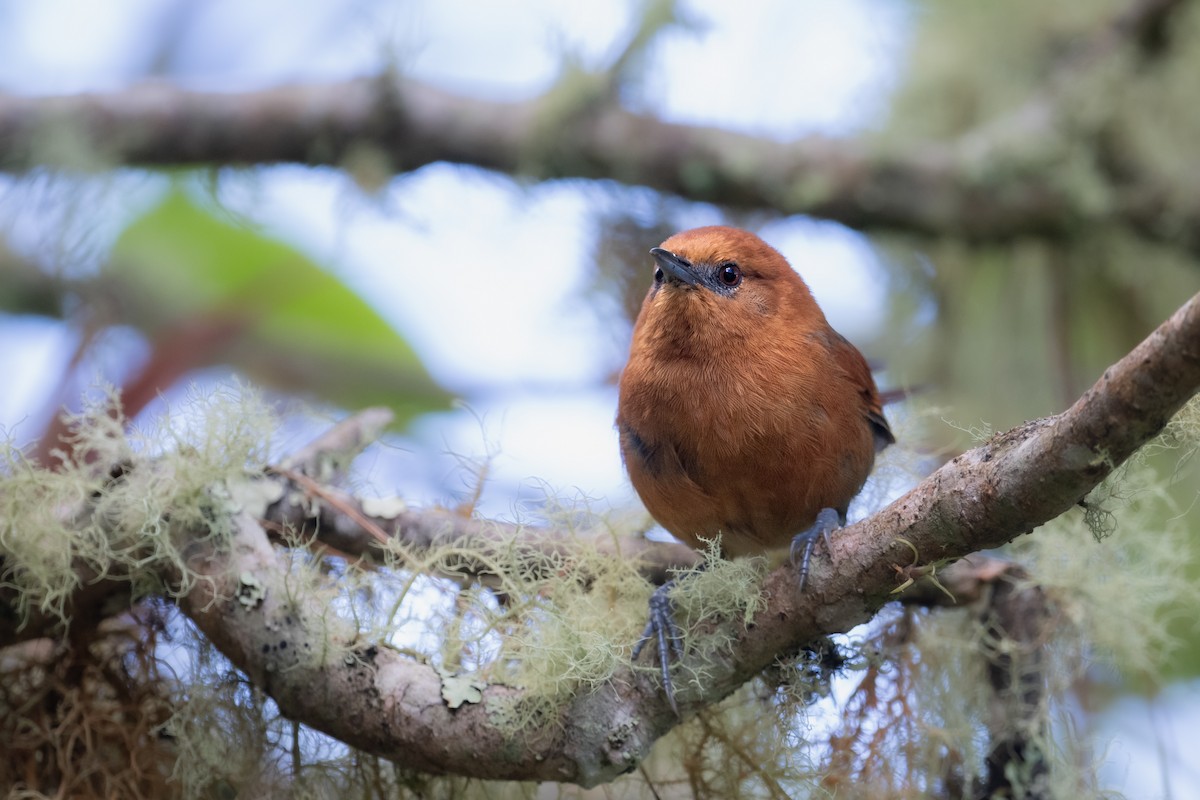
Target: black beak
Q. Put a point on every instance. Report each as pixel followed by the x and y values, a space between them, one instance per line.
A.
pixel 678 268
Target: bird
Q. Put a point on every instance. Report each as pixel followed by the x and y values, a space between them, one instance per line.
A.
pixel 743 416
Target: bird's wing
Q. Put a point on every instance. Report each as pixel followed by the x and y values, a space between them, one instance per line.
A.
pixel 857 369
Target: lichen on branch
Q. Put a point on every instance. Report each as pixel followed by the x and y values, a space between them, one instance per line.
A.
pixel 528 678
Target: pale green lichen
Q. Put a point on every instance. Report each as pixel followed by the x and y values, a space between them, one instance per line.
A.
pixel 57 524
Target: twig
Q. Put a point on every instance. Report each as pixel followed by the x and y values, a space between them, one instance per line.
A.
pixel 316 490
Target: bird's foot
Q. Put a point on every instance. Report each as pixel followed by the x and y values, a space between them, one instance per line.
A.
pixel 662 629
pixel 828 520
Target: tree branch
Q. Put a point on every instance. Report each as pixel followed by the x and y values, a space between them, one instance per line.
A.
pixel 341 521
pixel 1018 620
pixel 929 188
pixel 388 704
pixel 994 182
pixel 337 519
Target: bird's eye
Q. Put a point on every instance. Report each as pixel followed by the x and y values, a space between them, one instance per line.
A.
pixel 730 275
pixel 658 276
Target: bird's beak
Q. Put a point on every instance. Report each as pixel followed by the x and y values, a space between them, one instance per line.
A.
pixel 678 268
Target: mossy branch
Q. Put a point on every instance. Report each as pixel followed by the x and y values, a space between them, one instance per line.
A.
pixel 322 670
pixel 985 497
pixel 330 518
pixel 363 528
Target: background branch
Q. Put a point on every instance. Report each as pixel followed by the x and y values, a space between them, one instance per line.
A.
pixel 983 186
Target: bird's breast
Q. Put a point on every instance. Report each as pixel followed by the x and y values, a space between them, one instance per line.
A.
pixel 749 446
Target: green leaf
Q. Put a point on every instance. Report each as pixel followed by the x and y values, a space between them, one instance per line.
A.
pixel 208 290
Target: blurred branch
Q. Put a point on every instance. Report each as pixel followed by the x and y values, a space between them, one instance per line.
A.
pixel 389 704
pixel 1000 180
pixel 1144 24
pixel 1018 142
pixel 978 187
pixel 25 288
pixel 1019 627
pixel 1018 621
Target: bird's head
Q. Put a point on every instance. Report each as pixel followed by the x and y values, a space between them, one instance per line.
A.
pixel 724 281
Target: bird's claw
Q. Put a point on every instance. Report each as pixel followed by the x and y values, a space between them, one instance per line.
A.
pixel 827 521
pixel 663 629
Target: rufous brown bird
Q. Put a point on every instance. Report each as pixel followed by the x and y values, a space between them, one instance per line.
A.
pixel 742 415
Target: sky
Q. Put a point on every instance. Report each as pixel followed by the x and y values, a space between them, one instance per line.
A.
pixel 517 336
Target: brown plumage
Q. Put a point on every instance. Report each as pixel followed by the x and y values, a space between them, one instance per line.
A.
pixel 742 412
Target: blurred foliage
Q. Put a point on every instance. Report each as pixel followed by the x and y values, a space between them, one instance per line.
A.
pixel 970 63
pixel 1000 332
pixel 209 291
pixel 25 289
pixel 1042 317
pixel 621 261
pixel 1003 333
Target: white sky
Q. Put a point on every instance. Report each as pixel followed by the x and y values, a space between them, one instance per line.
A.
pixel 516 332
